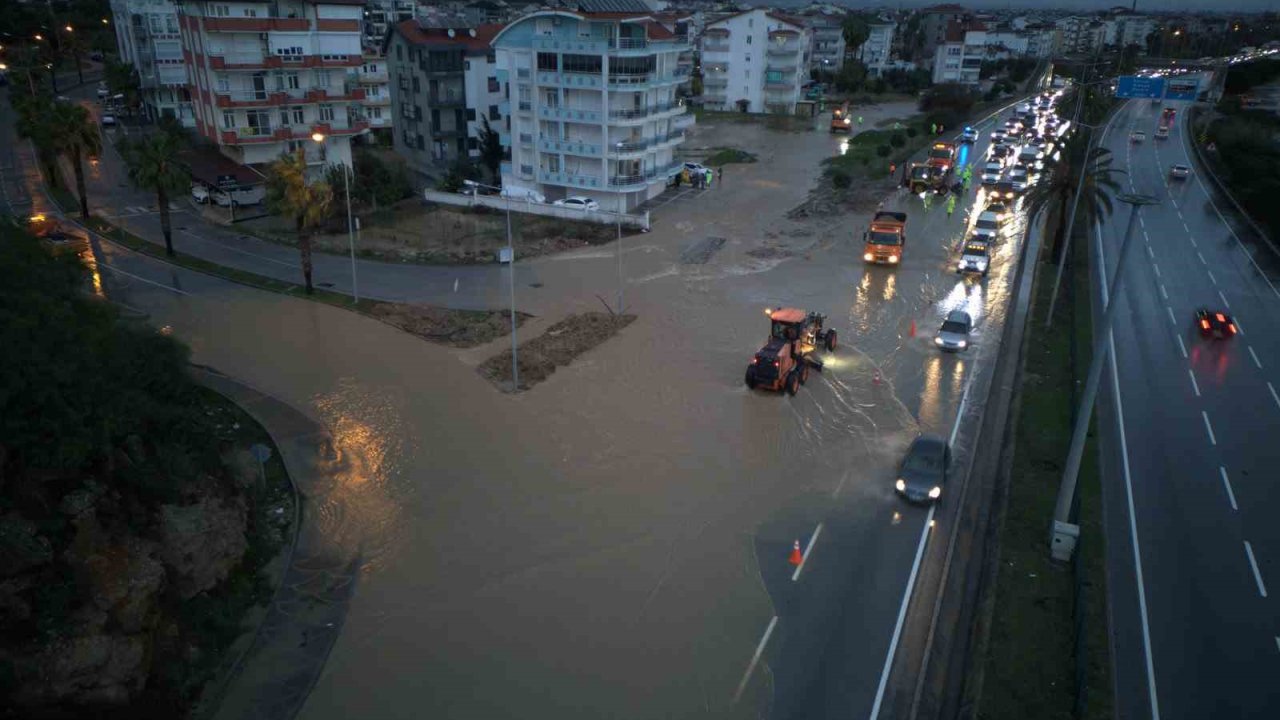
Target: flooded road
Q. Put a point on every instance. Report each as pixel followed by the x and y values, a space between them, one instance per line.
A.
pixel 615 542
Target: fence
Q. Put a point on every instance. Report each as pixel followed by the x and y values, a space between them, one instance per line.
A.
pixel 494 202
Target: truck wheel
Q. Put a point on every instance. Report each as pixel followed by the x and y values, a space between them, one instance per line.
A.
pixel 793 383
pixel 804 374
pixel 751 378
pixel 831 341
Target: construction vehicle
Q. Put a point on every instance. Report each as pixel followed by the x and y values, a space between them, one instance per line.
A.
pixel 784 361
pixel 885 239
pixel 923 177
pixel 842 119
pixel 942 155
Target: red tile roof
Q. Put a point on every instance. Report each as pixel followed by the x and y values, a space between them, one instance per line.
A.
pixel 414 33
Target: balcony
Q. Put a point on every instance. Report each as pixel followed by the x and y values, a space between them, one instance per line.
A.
pixel 782 49
pixel 248 136
pixel 624 117
pixel 334 128
pixel 787 70
pixel 642 81
pixel 683 121
pixel 624 183
pixel 709 46
pixel 316 95
pixel 374 77
pixel 780 85
pixel 524 106
pixel 526 138
pixel 569 147
pixel 572 114
pixel 379 99
pixel 715 81
pixel 243 24
pixel 570 180
pixel 447 99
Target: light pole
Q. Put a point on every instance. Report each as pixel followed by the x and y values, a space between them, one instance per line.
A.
pixel 1071 223
pixel 511 281
pixel 351 233
pixel 1062 542
pixel 622 204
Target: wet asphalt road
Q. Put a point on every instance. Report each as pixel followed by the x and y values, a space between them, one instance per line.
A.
pixel 626 557
pixel 1198 452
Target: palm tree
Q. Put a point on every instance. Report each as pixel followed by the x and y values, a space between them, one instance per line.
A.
pixel 35 122
pixel 308 203
pixel 76 136
pixel 1095 194
pixel 154 165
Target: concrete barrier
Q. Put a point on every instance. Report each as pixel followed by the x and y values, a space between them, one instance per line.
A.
pixel 495 202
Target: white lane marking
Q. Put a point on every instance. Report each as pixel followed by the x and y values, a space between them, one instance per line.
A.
pixel 1170 311
pixel 1239 327
pixel 1248 550
pixel 807 548
pixel 1201 256
pixel 1178 210
pixel 232 248
pixel 964 402
pixel 1152 697
pixel 1227 484
pixel 1254 355
pixel 902 614
pixel 1149 253
pixel 1164 293
pixel 843 478
pixel 1181 345
pixel 755 658
pixel 1208 428
pixel 1274 396
pixel 1212 279
pixel 1157 269
pixel 1224 300
pixel 1194 385
pixel 1184 227
pixel 1193 243
pixel 142 279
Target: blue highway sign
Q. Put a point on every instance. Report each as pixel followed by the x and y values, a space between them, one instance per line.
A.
pixel 1134 86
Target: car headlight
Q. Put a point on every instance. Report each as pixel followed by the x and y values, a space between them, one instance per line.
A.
pixel 868 257
pixel 962 343
pixel 959 266
pixel 982 264
pixel 893 258
pixel 901 485
pixel 935 492
pixel 937 341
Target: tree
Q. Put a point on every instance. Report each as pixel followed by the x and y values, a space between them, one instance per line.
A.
pixel 122 79
pixel 491 151
pixel 35 123
pixel 855 31
pixel 76 135
pixel 154 165
pixel 851 76
pixel 1099 185
pixel 308 203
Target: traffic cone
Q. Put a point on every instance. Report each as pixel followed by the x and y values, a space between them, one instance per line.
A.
pixel 913 328
pixel 796 557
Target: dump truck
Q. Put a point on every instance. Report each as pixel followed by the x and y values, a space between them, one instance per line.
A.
pixel 784 362
pixel 885 240
pixel 942 155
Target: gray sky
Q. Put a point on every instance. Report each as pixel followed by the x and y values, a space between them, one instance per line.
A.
pixel 1241 6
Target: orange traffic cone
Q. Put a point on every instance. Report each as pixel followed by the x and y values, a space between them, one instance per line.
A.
pixel 796 557
pixel 913 328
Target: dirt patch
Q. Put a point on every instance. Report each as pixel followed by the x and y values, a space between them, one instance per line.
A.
pixel 410 232
pixel 862 195
pixel 556 347
pixel 456 328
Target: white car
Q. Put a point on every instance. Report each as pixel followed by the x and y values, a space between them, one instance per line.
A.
pixel 525 194
pixel 1137 136
pixel 1018 176
pixel 694 168
pixel 988 226
pixel 1030 155
pixel 200 193
pixel 991 173
pixel 998 135
pixel 1179 171
pixel 108 120
pixel 578 201
pixel 970 135
pixel 975 257
pixel 103 92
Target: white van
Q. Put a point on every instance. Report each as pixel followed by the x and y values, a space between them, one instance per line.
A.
pixel 525 194
pixel 251 195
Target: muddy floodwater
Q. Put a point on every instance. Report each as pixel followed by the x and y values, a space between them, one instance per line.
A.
pixel 614 542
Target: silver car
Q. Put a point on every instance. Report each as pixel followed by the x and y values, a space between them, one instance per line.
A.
pixel 954 333
pixel 1179 171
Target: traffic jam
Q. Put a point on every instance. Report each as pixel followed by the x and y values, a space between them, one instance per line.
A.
pixel 1021 149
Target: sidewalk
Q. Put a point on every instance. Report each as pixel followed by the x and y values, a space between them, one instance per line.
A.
pixel 280 664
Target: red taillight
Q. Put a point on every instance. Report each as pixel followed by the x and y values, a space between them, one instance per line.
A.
pixel 1232 328
pixel 1222 318
pixel 755 360
pixel 775 363
pixel 1204 324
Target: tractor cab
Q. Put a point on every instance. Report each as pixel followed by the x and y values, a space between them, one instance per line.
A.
pixel 784 361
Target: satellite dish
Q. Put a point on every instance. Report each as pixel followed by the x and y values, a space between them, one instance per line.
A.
pixel 452 32
pixel 472 32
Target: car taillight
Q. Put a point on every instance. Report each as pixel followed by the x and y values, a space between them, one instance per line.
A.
pixel 1204 324
pixel 755 360
pixel 1232 328
pixel 775 363
pixel 1221 317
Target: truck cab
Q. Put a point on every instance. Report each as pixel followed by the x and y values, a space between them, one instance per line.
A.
pixel 942 156
pixel 885 240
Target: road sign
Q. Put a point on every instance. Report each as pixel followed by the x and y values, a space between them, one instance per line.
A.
pixel 1182 90
pixel 1135 86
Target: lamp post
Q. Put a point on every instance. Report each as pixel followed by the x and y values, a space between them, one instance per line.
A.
pixel 622 204
pixel 1062 536
pixel 511 281
pixel 351 233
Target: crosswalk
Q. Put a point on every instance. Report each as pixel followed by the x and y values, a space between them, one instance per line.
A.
pixel 134 210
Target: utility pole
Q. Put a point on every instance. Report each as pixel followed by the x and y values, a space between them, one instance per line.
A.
pixel 1062 540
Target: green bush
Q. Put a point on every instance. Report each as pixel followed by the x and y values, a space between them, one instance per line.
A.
pixel 912 131
pixel 883 150
pixel 898 140
pixel 841 179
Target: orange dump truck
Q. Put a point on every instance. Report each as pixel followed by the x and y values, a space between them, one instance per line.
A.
pixel 885 239
pixel 942 156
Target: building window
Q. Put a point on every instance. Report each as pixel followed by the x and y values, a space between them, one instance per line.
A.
pixel 291 81
pixel 375 113
pixel 400 52
pixel 299 115
pixel 293 50
pixel 548 61
pixel 224 83
pixel 326 113
pixel 583 64
pixel 471 114
pixel 491 57
pixel 221 11
pixel 229 120
pixel 284 117
pixel 421 145
pixel 748 39
pixel 416 86
pixel 493 113
pixel 493 85
pixel 171 24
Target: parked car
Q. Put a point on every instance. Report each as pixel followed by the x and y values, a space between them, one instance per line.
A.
pixel 579 202
pixel 200 193
pixel 694 167
pixel 108 120
pixel 525 194
pixel 103 92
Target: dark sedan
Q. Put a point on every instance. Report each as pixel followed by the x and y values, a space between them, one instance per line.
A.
pixel 924 469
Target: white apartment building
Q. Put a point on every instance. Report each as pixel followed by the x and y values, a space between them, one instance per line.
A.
pixel 375 83
pixel 381 15
pixel 592 102
pixel 826 42
pixel 958 59
pixel 1081 33
pixel 267 76
pixel 147 37
pixel 757 60
pixel 875 51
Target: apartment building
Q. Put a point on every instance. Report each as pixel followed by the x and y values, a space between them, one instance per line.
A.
pixel 592 98
pixel 147 37
pixel 443 90
pixel 1081 33
pixel 826 42
pixel 754 60
pixel 373 76
pixel 934 21
pixel 382 15
pixel 268 76
pixel 958 59
pixel 876 51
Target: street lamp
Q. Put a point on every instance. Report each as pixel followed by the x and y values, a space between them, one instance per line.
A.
pixel 511 280
pixel 622 204
pixel 318 138
pixel 39 37
pixel 1063 532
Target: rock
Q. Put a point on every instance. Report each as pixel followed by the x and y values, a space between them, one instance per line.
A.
pixel 242 467
pixel 120 574
pixel 21 547
pixel 201 542
pixel 90 669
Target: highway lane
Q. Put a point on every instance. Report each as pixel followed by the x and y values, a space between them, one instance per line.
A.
pixel 631 561
pixel 1194 412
